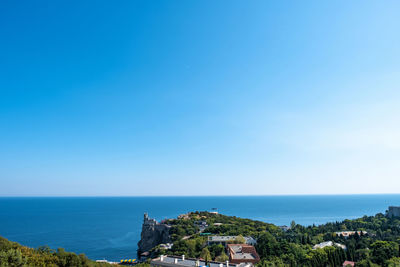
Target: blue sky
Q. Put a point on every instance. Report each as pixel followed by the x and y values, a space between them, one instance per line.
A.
pixel 199 97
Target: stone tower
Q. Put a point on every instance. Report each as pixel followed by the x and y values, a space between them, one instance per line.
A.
pixel 153 234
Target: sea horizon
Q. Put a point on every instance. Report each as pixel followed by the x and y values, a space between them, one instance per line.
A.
pixel 128 196
pixel 109 227
pixel 284 113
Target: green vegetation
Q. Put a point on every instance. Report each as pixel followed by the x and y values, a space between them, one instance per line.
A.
pixel 205 254
pixel 143 264
pixel 13 254
pixel 379 246
pixel 294 247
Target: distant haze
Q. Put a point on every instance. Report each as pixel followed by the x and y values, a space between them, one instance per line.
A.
pixel 102 98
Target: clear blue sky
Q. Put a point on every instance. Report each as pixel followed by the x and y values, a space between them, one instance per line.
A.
pixel 199 97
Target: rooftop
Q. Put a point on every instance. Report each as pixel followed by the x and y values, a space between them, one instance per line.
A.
pixel 190 262
pixel 243 253
pixel 239 254
pixel 328 244
pixel 220 238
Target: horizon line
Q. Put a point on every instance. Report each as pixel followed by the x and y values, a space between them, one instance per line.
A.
pixel 149 196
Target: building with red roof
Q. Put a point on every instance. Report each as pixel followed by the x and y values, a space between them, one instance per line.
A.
pixel 242 253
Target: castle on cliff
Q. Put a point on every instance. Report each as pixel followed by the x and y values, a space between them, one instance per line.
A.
pixel 393 211
pixel 148 221
pixel 153 234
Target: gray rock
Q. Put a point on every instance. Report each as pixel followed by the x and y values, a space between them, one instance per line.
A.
pixel 153 234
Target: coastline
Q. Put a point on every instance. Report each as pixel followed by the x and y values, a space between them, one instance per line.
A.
pixel 113 224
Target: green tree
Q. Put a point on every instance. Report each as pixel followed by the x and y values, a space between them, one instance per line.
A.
pixel 12 257
pixel 205 255
pixel 267 245
pixel 216 250
pixel 240 240
pixel 393 262
pixel 366 263
pixel 384 250
pixel 362 254
pixel 222 257
pixel 318 258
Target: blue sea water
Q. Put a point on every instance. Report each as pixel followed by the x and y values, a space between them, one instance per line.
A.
pixel 109 227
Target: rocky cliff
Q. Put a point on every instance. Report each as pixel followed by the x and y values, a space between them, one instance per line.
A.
pixel 153 234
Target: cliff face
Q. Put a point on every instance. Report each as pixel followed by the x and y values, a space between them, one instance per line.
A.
pixel 153 234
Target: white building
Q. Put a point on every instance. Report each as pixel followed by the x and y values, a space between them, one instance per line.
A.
pixel 175 261
pixel 329 244
pixel 224 240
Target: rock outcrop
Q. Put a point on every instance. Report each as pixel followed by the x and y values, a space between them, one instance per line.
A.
pixel 153 234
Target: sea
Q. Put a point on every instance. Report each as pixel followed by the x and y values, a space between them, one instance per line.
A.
pixel 109 227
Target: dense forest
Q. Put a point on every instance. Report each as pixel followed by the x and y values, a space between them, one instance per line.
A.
pixel 13 254
pixel 377 243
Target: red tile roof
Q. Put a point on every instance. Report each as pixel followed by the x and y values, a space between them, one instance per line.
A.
pixel 244 249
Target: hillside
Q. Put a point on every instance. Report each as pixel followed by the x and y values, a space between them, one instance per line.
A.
pixel 14 254
pixel 368 241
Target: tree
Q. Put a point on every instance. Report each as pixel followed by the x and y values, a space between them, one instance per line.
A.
pixel 393 262
pixel 267 245
pixel 240 240
pixel 13 254
pixel 216 250
pixel 191 247
pixel 272 262
pixel 366 263
pixel 12 257
pixel 362 254
pixel 222 258
pixel 318 257
pixel 205 255
pixel 384 250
